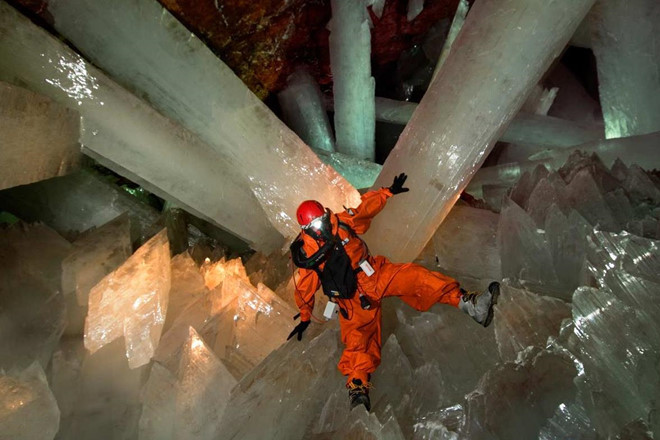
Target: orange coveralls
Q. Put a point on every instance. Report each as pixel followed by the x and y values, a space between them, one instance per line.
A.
pixel 414 284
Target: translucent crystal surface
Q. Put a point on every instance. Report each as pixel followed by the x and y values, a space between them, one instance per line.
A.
pixel 203 391
pixel 503 406
pixel 468 228
pixel 94 255
pixel 456 26
pixel 77 202
pixel 281 398
pixel 124 133
pixel 187 286
pixel 108 395
pixel 549 131
pixel 525 319
pixel 187 398
pixel 151 53
pixel 158 399
pixel 626 42
pixel 32 307
pixel 254 322
pixel 523 247
pixel 132 302
pixel 353 85
pixel 524 127
pixel 39 137
pixel 28 410
pixel 302 106
pixel 443 147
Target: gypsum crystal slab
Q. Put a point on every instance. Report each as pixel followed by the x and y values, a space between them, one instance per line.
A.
pixel 32 306
pixel 151 53
pixel 468 228
pixel 28 410
pixel 132 302
pixel 274 397
pixel 95 254
pixel 524 319
pixel 125 134
pixel 39 137
pixel 625 38
pixel 441 145
pixel 108 399
pixel 187 286
pixel 77 202
pixel 514 399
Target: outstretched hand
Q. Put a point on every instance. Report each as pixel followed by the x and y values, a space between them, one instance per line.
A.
pixel 397 185
pixel 299 329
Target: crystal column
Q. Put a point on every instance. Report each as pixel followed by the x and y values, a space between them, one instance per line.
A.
pixel 626 41
pixel 354 87
pixel 502 51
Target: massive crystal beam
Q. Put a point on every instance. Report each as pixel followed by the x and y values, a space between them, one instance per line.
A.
pixel 302 105
pixel 456 26
pixel 500 55
pixel 148 51
pixel 128 136
pixel 39 137
pixel 354 87
pixel 626 41
pixel 524 127
pixel 132 301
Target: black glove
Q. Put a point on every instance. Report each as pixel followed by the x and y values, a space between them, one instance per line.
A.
pixel 299 329
pixel 397 185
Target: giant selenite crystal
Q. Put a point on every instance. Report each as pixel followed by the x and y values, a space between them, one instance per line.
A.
pixel 302 105
pixel 82 200
pixel 94 255
pixel 500 54
pixel 132 301
pixel 39 137
pixel 354 87
pixel 626 41
pixel 127 135
pixel 32 307
pixel 151 53
pixel 28 410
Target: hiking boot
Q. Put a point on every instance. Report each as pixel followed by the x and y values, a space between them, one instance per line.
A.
pixel 480 305
pixel 358 393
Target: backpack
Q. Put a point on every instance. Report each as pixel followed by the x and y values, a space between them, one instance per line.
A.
pixel 338 278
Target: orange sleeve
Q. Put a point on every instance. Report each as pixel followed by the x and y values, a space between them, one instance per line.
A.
pixel 372 203
pixel 307 283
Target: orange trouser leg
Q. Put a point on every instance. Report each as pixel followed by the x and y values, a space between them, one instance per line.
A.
pixel 361 336
pixel 361 333
pixel 417 286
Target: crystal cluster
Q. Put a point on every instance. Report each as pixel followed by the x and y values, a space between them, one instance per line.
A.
pixel 240 145
pixel 545 218
pixel 127 135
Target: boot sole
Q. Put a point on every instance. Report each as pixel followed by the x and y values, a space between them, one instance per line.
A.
pixel 494 289
pixel 361 400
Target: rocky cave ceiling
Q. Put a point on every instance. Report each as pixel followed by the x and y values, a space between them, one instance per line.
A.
pixel 263 40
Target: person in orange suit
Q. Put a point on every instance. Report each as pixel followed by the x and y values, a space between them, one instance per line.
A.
pixel 330 253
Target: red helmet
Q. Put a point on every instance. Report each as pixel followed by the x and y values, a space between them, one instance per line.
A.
pixel 308 211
